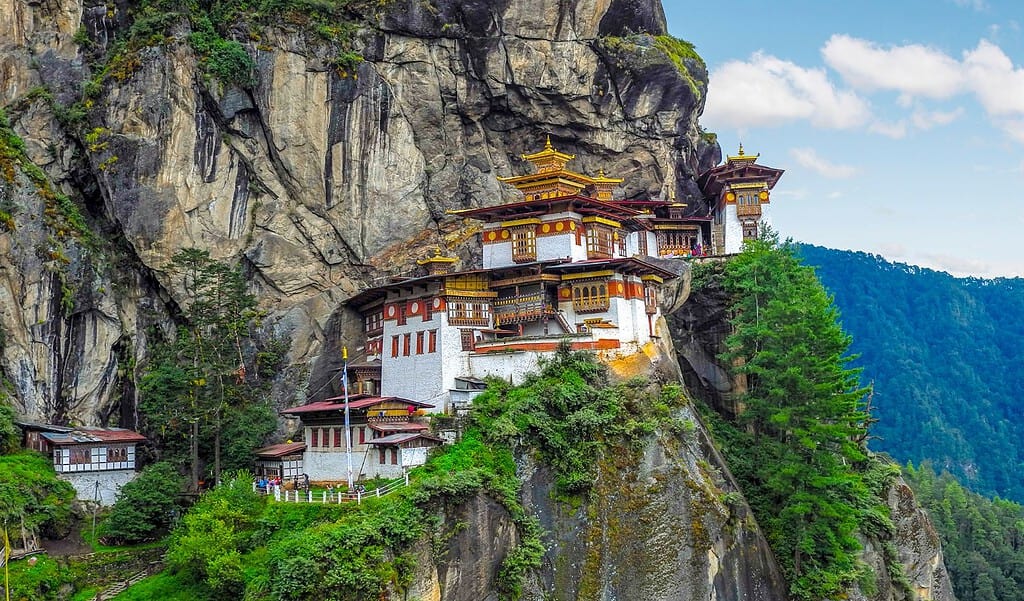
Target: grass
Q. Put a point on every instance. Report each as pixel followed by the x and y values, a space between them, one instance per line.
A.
pixel 166 587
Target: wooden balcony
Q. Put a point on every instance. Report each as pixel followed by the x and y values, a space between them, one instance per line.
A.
pixel 748 210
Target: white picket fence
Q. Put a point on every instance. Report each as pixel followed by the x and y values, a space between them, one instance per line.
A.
pixel 323 496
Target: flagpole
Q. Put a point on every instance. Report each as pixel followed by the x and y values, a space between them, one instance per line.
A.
pixel 7 561
pixel 348 430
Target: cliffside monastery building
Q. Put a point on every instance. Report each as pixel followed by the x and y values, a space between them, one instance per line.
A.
pixel 568 263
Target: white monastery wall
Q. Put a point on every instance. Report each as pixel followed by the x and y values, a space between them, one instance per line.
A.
pixel 512 366
pixel 104 485
pixel 497 254
pixel 733 231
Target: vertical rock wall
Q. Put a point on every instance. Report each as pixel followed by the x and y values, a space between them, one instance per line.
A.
pixel 317 179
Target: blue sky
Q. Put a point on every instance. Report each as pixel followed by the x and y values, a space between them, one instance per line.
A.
pixel 900 123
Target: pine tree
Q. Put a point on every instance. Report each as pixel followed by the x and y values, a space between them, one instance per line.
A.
pixel 803 409
pixel 201 376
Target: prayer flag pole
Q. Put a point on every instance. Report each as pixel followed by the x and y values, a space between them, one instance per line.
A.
pixel 348 430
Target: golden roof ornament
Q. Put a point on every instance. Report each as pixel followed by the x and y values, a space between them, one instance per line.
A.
pixel 549 159
pixel 742 157
pixel 436 258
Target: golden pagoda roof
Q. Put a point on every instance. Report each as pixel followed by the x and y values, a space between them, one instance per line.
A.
pixel 742 157
pixel 601 179
pixel 549 159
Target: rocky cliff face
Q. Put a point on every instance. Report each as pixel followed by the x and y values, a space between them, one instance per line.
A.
pixel 317 178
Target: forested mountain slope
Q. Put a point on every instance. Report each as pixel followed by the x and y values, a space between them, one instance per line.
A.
pixel 945 355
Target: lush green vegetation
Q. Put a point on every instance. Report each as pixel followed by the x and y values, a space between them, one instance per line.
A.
pixel 10 435
pixel 983 539
pixel 146 507
pixel 798 448
pixel 569 413
pixel 209 383
pixel 234 544
pixel 220 27
pixel 61 215
pixel 678 51
pixel 944 354
pixel 33 496
pixel 45 578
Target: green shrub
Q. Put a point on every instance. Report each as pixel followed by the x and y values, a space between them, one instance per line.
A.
pixel 146 506
pixel 31 491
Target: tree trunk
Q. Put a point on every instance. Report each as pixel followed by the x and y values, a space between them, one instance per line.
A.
pixel 195 454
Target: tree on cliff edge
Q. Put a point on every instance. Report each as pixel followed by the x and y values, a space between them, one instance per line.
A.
pixel 803 418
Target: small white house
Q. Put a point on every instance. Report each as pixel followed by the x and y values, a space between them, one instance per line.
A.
pixel 386 436
pixel 96 461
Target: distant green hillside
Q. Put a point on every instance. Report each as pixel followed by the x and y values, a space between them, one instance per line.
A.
pixel 947 358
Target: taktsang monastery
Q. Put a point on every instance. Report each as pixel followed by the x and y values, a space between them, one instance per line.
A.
pixel 568 263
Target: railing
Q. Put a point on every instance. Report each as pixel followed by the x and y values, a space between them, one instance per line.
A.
pixel 325 496
pixel 591 305
pixel 520 309
pixel 470 321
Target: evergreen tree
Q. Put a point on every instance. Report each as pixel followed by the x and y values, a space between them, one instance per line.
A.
pixel 200 382
pixel 802 421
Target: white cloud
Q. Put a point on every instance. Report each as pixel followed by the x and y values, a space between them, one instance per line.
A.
pixel 913 69
pixel 810 159
pixel 1014 128
pixel 895 131
pixel 768 91
pixel 992 77
pixel 923 119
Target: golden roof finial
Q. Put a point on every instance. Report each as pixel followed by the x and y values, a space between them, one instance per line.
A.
pixel 547 144
pixel 742 156
pixel 600 172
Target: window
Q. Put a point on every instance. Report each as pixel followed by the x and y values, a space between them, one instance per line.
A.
pixel 641 243
pixel 313 441
pixel 366 387
pixel 466 313
pixel 394 456
pixel 374 322
pixel 117 454
pixel 677 242
pixel 362 435
pixel 419 343
pixel 650 298
pixel 80 455
pixel 749 230
pixel 432 344
pixel 524 244
pixel 394 346
pixel 428 309
pixel 383 456
pixel 468 342
pixel 590 296
pixel 337 437
pixel 403 311
pixel 600 242
pixel 406 343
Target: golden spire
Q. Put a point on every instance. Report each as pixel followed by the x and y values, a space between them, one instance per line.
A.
pixel 549 159
pixel 742 157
